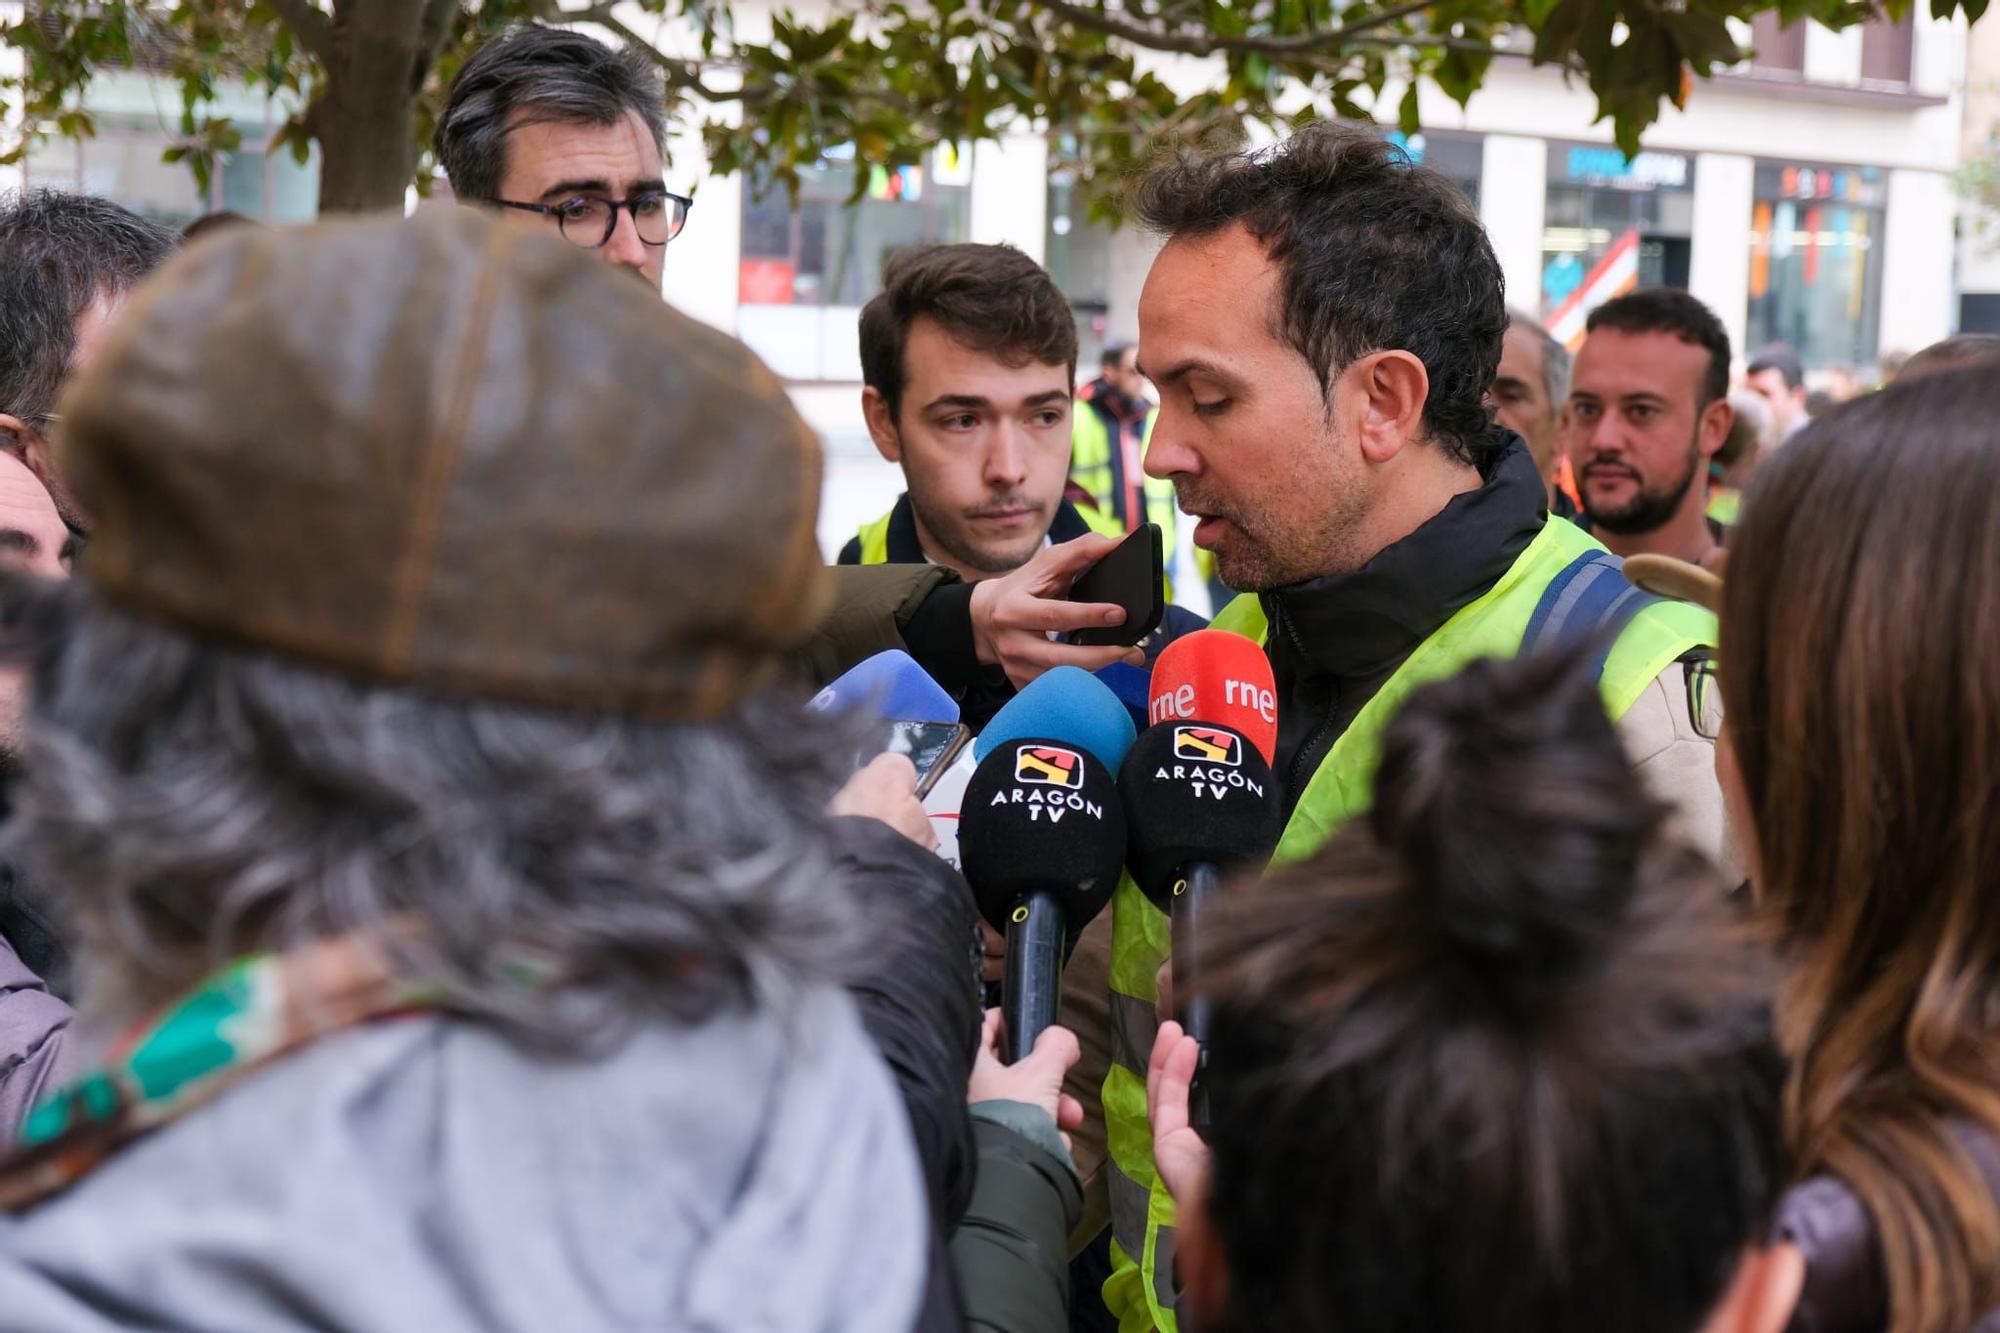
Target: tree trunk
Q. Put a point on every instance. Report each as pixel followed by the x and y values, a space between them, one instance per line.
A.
pixel 365 116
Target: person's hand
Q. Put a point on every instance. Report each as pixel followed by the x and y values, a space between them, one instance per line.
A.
pixel 992 963
pixel 1178 1152
pixel 886 789
pixel 1163 982
pixel 1013 616
pixel 1036 1080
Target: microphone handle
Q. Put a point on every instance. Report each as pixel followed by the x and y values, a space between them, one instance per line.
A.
pixel 1190 943
pixel 1034 971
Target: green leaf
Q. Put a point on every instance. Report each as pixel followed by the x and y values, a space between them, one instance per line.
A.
pixel 1409 117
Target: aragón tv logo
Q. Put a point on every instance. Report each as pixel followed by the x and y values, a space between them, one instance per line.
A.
pixel 1206 745
pixel 1049 765
pixel 1048 783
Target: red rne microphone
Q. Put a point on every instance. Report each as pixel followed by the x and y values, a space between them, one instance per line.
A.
pixel 1215 676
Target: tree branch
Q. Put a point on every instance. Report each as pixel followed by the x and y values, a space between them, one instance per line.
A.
pixel 680 73
pixel 310 25
pixel 1208 44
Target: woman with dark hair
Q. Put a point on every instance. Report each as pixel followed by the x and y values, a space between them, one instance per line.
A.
pixel 1497 1058
pixel 1861 628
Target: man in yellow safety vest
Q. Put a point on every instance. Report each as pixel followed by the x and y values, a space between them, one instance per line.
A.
pixel 1322 325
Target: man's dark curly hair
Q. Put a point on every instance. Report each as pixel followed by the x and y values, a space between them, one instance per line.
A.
pixel 1375 254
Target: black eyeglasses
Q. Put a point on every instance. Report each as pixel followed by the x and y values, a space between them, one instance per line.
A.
pixel 588 221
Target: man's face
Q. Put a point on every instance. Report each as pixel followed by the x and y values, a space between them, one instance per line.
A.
pixel 1521 397
pixel 984 448
pixel 1254 449
pixel 1125 376
pixel 552 161
pixel 1638 436
pixel 34 540
pixel 1787 404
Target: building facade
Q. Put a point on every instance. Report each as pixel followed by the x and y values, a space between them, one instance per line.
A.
pixel 1810 195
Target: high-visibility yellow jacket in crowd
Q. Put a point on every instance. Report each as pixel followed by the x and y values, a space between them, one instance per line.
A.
pixel 1090 467
pixel 1141 1289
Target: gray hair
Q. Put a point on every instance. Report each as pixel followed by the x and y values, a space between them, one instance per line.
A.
pixel 59 252
pixel 1556 360
pixel 1753 428
pixel 196 802
pixel 553 74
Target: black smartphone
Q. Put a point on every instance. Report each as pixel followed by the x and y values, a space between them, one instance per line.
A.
pixel 1134 577
pixel 931 746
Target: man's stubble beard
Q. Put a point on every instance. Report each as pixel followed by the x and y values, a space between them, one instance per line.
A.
pixel 1260 561
pixel 1649 510
pixel 960 551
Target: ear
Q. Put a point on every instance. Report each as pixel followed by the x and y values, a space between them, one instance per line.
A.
pixel 881 424
pixel 1713 429
pixel 1763 1294
pixel 1385 394
pixel 29 445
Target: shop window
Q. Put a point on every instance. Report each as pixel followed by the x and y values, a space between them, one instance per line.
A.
pixel 828 251
pixel 1459 158
pixel 807 268
pixel 1816 260
pixel 1612 223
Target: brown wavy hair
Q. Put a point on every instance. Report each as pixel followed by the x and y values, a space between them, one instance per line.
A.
pixel 1861 670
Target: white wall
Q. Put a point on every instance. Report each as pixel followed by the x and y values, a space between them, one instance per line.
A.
pixel 1010 193
pixel 1513 198
pixel 1917 307
pixel 1833 57
pixel 1130 258
pixel 1719 262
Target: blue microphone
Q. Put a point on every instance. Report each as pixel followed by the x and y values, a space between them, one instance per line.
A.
pixel 891 686
pixel 1040 831
pixel 1066 704
pixel 1134 688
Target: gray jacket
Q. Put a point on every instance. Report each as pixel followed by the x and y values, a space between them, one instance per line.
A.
pixel 35 1048
pixel 426 1173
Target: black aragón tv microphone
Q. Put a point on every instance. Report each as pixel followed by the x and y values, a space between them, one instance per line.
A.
pixel 1200 800
pixel 1042 841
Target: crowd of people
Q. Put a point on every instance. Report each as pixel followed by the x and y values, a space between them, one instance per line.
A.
pixel 426 904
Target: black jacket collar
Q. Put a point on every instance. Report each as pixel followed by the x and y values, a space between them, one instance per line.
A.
pixel 1335 640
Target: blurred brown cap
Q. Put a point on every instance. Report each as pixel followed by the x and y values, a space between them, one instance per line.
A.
pixel 454 454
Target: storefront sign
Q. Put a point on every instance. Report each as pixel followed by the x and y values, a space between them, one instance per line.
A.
pixel 1607 168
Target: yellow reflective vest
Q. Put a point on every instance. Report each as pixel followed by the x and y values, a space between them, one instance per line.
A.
pixel 1140 1290
pixel 1090 447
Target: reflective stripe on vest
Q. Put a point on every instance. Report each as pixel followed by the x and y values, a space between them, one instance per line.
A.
pixel 1658 633
pixel 1090 468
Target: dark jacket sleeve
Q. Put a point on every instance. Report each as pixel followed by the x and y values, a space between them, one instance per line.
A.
pixel 872 605
pixel 1011 1250
pixel 919 996
pixel 35 1054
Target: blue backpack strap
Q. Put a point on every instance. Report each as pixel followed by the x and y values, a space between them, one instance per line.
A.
pixel 1591 600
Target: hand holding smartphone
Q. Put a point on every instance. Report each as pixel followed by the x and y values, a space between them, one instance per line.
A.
pixel 1133 576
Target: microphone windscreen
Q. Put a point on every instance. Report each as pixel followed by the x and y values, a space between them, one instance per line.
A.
pixel 1195 792
pixel 1133 687
pixel 891 686
pixel 1067 704
pixel 1041 816
pixel 1215 676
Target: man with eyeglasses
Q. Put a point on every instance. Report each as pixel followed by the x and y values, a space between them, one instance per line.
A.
pixel 557 130
pixel 560 131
